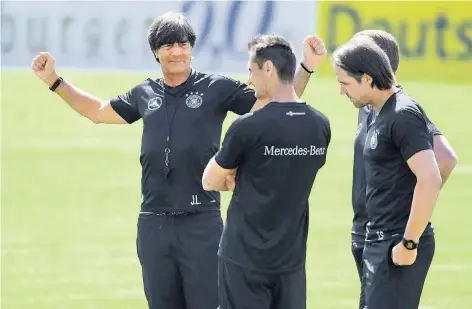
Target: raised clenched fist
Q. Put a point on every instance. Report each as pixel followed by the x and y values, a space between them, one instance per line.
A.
pixel 43 66
pixel 314 51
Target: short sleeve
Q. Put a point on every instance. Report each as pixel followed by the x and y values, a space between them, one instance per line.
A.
pixel 230 155
pixel 410 133
pixel 126 105
pixel 433 129
pixel 328 131
pixel 240 98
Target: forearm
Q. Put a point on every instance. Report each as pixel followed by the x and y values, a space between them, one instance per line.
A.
pixel 445 157
pixel 302 77
pixel 215 178
pixel 215 186
pixel 424 200
pixel 445 171
pixel 82 102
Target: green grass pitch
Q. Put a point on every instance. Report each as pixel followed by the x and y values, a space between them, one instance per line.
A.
pixel 70 197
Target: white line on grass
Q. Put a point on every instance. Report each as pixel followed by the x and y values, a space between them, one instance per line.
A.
pixel 451 267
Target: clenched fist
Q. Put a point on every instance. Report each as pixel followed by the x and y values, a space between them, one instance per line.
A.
pixel 402 256
pixel 43 67
pixel 314 51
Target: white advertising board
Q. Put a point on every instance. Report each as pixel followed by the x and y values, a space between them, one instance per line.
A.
pixel 113 34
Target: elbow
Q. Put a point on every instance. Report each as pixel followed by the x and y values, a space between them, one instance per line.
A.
pixel 210 177
pixel 451 160
pixel 445 156
pixel 447 163
pixel 206 183
pixel 94 120
pixel 94 117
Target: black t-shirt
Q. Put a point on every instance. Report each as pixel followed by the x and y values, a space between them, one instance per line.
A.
pixel 365 119
pixel 194 111
pixel 278 151
pixel 358 184
pixel 401 129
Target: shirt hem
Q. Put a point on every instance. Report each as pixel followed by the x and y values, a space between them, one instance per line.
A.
pixel 373 238
pixel 264 271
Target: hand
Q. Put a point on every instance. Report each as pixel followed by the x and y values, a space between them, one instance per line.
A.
pixel 43 67
pixel 401 256
pixel 230 182
pixel 314 51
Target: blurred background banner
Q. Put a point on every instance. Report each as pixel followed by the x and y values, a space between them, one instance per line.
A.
pixel 113 35
pixel 435 38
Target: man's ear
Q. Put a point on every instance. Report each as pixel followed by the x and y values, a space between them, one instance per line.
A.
pixel 368 79
pixel 268 66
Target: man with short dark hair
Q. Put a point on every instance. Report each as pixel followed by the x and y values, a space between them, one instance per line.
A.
pixel 444 154
pixel 180 224
pixel 399 164
pixel 277 152
pixel 387 42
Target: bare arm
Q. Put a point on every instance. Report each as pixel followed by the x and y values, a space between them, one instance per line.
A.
pixel 216 178
pixel 445 156
pixel 423 165
pixel 87 105
pixel 302 77
pixel 83 103
pixel 314 51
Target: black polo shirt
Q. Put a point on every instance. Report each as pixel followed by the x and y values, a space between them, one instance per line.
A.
pixel 187 120
pixel 278 151
pixel 400 130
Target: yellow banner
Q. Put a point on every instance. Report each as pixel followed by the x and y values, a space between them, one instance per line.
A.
pixel 435 38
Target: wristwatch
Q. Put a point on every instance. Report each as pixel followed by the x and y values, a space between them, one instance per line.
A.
pixel 56 84
pixel 409 244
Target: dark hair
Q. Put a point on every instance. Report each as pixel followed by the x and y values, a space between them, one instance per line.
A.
pixel 361 56
pixel 170 28
pixel 387 42
pixel 276 49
